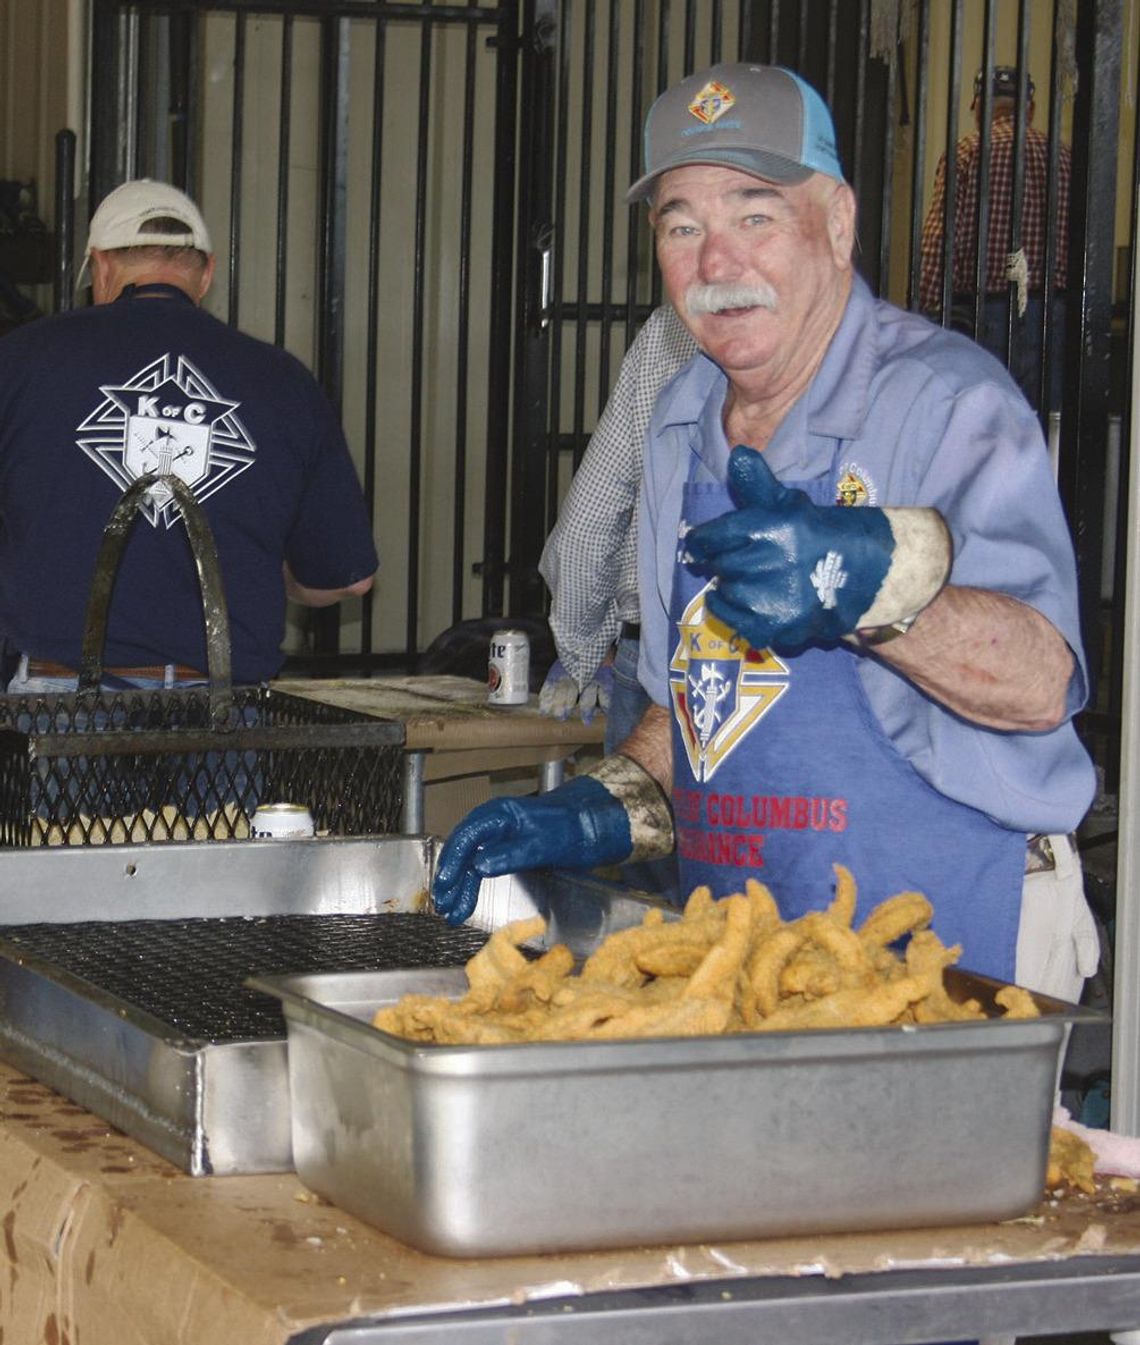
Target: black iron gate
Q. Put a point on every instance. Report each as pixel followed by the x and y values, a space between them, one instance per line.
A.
pixel 356 159
pixel 898 75
pixel 424 202
pixel 586 263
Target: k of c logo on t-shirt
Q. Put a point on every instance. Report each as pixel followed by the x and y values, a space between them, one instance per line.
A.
pixel 168 419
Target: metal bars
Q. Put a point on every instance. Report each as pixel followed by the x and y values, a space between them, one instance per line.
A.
pixel 357 158
pixel 613 59
pixel 453 254
pixel 1088 379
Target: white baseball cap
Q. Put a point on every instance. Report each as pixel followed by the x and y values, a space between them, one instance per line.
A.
pixel 123 217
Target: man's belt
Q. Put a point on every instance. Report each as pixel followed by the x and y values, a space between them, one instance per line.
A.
pixel 630 630
pixel 38 667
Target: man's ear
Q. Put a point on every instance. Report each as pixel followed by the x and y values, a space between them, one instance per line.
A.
pixel 841 225
pixel 207 277
pixel 101 277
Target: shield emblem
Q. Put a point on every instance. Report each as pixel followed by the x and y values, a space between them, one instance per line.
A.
pixel 720 686
pixel 164 447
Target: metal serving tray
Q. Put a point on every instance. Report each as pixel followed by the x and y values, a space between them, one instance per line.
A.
pixel 489 1150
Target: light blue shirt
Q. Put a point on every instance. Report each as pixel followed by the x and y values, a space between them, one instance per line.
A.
pixel 914 415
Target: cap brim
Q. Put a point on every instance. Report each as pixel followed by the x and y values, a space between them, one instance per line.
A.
pixel 767 167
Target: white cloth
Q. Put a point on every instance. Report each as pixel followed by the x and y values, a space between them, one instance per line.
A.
pixel 1058 947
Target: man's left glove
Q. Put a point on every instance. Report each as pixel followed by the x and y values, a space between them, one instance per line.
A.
pixel 790 573
pixel 616 812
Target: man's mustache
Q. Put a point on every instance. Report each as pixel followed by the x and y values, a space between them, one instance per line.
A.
pixel 716 298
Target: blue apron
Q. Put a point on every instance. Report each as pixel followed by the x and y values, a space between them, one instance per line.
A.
pixel 781 770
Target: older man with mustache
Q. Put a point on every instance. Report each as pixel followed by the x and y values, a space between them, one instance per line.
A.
pixel 858 593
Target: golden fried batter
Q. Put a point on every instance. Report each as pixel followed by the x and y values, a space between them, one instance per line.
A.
pixel 1016 1002
pixel 729 965
pixel 842 909
pixel 764 967
pixel 1071 1161
pixel 850 1008
pixel 896 917
pixel 717 976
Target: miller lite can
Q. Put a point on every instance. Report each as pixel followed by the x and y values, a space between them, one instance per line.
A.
pixel 508 668
pixel 280 821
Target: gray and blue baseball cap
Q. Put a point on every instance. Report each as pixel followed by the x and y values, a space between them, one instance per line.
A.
pixel 761 119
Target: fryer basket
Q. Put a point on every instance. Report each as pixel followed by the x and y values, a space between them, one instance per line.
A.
pixel 103 766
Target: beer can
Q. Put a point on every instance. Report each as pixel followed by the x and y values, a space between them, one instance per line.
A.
pixel 508 668
pixel 281 820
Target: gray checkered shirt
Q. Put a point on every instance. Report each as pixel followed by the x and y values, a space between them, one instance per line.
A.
pixel 590 559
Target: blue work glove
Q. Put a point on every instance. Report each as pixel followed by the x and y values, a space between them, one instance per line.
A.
pixel 579 825
pixel 790 573
pixel 560 695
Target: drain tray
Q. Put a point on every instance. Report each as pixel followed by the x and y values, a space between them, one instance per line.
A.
pixel 122 970
pixel 189 975
pixel 149 1023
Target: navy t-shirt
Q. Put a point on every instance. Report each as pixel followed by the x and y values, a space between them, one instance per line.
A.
pixel 91 400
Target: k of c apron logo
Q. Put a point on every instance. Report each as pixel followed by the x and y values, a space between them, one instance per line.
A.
pixel 853 486
pixel 712 102
pixel 167 419
pixel 720 687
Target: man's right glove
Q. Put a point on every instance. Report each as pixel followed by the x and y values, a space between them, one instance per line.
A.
pixel 790 573
pixel 597 693
pixel 614 813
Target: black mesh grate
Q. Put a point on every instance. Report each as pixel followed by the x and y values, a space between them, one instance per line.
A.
pixel 106 767
pixel 189 974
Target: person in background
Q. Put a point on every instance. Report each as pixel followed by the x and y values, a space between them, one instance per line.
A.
pixel 1024 269
pixel 857 588
pixel 590 558
pixel 590 561
pixel 145 381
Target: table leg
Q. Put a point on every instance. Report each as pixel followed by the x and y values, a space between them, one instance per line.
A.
pixel 413 820
pixel 551 775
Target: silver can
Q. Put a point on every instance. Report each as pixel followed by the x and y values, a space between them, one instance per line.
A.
pixel 281 820
pixel 508 668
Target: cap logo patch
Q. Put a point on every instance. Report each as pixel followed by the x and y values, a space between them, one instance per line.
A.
pixel 712 102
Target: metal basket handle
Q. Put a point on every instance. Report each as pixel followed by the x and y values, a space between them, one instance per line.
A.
pixel 209 568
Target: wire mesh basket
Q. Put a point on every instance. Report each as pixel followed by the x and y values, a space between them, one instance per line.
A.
pixel 105 766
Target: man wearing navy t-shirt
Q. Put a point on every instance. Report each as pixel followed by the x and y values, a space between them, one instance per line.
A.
pixel 147 381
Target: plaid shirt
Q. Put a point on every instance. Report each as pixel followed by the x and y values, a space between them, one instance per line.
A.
pixel 590 559
pixel 1033 217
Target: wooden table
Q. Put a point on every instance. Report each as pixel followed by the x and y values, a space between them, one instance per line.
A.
pixel 104 1243
pixel 457 744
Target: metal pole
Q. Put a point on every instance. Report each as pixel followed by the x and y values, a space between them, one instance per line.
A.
pixel 413 820
pixel 63 292
pixel 1125 1112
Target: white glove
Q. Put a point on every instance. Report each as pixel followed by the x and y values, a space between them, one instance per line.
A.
pixel 596 694
pixel 560 696
pixel 559 693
